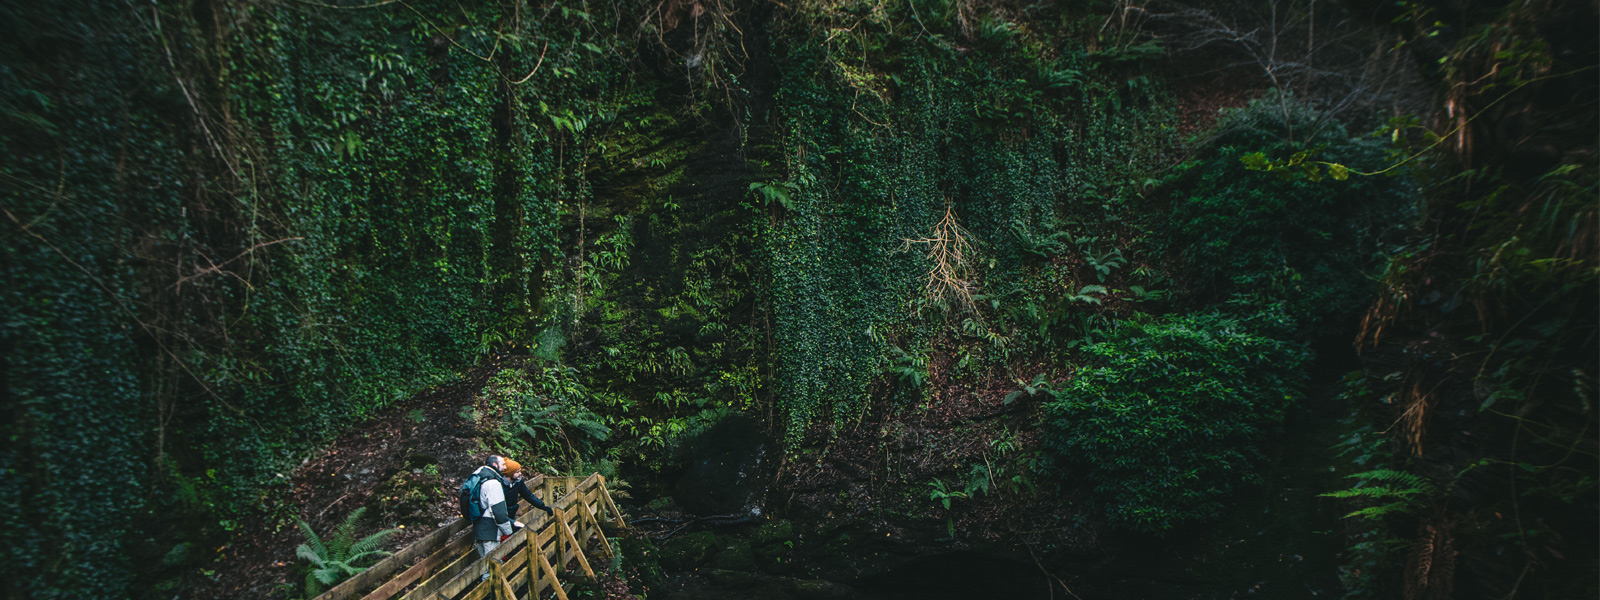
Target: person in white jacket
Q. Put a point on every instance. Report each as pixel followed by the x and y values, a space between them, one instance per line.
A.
pixel 494 526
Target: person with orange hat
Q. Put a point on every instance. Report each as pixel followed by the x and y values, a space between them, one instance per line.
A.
pixel 519 490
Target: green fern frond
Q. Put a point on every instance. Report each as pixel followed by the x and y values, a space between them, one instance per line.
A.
pixel 591 428
pixel 1401 492
pixel 313 543
pixel 328 575
pixel 310 555
pixel 370 543
pixel 336 560
pixel 358 557
pixel 345 535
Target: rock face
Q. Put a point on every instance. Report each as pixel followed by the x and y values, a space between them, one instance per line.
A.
pixel 721 469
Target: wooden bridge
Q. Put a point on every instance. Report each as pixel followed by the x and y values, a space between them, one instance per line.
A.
pixel 445 566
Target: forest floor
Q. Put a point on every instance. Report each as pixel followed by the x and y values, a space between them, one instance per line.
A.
pixel 428 429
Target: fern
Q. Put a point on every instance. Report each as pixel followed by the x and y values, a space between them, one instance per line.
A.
pixel 1396 492
pixel 1043 246
pixel 590 427
pixel 338 559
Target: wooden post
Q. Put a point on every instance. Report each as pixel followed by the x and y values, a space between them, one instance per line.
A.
pixel 578 548
pixel 611 506
pixel 580 526
pixel 555 582
pixel 505 587
pixel 561 540
pixel 601 533
pixel 498 580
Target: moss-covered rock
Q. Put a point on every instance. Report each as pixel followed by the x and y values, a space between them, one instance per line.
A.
pixel 735 557
pixel 689 551
pixel 774 532
pixel 834 555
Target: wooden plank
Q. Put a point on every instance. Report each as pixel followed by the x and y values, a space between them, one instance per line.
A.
pixel 439 558
pixel 567 500
pixel 532 572
pixel 438 578
pixel 561 543
pixel 510 565
pixel 505 587
pixel 521 578
pixel 452 567
pixel 379 572
pixel 478 592
pixel 476 569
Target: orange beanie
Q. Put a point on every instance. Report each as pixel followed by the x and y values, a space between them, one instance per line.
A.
pixel 512 467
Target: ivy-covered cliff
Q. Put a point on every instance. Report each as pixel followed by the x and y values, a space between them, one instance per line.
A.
pixel 1082 264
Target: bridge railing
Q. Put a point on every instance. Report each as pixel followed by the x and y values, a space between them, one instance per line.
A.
pixel 534 560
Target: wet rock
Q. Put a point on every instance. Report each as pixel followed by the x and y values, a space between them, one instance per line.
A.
pixel 771 555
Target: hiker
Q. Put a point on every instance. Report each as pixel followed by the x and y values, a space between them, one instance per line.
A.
pixel 491 523
pixel 520 491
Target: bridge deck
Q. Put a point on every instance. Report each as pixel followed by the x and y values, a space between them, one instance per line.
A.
pixel 535 560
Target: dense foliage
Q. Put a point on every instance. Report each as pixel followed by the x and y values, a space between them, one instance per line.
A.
pixel 234 230
pixel 1314 244
pixel 1168 415
pixel 891 138
pixel 248 227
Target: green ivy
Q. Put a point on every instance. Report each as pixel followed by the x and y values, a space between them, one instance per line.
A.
pixel 878 146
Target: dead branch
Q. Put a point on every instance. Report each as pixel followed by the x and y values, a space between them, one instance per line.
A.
pixel 951 275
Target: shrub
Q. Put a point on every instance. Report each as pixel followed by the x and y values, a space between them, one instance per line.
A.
pixel 1315 244
pixel 1168 415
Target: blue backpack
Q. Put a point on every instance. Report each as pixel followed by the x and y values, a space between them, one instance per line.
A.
pixel 471 509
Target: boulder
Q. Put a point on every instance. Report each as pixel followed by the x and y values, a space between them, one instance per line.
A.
pixel 775 531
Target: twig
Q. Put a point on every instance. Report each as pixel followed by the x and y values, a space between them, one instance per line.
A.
pixel 535 65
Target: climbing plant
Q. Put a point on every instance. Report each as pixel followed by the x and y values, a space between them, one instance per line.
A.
pixel 249 226
pixel 897 145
